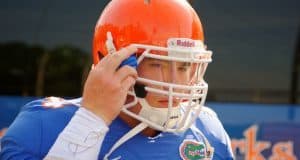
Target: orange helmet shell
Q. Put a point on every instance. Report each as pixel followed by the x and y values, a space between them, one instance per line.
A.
pixel 150 22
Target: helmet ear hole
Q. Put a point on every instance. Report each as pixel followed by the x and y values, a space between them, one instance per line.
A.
pixel 100 55
pixel 140 90
pixel 147 1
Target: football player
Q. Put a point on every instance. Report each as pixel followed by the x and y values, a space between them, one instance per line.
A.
pixel 143 99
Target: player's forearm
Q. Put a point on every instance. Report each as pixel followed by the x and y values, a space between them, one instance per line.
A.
pixel 81 138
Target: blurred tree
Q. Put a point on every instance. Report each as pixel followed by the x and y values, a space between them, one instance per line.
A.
pixel 34 71
pixel 64 71
pixel 295 71
pixel 18 68
pixel 40 78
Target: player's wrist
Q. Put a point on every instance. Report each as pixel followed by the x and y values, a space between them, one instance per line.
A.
pixel 101 114
pixel 107 120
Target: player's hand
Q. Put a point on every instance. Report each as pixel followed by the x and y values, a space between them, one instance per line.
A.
pixel 106 87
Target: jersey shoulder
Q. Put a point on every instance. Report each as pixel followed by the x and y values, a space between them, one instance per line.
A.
pixel 209 112
pixel 211 126
pixel 210 123
pixel 50 103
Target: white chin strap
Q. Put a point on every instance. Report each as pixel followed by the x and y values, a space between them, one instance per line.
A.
pixel 136 130
pixel 159 116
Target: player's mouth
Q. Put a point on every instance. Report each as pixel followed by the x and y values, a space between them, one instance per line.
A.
pixel 165 102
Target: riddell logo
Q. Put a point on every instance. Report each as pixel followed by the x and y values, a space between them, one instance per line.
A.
pixel 185 43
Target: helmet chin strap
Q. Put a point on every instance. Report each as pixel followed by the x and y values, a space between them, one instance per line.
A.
pixel 159 115
pixel 134 131
pixel 154 114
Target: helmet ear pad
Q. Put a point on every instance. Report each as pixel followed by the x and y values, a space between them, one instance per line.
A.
pixel 140 90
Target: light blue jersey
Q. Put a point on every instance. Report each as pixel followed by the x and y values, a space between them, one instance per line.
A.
pixel 38 130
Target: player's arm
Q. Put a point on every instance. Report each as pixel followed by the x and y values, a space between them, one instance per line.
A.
pixel 104 95
pixel 67 132
pixel 81 138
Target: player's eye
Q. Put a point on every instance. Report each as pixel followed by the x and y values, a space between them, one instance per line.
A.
pixel 156 65
pixel 183 68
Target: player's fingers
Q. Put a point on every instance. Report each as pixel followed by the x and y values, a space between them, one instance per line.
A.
pixel 127 83
pixel 126 71
pixel 103 62
pixel 114 61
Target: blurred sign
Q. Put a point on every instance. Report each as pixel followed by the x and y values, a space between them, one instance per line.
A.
pixel 268 141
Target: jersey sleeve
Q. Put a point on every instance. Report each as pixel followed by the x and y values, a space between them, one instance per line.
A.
pixel 20 141
pixel 81 139
pixel 64 132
